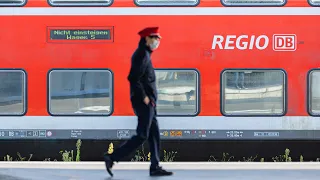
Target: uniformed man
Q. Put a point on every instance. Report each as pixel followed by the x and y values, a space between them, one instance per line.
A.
pixel 143 95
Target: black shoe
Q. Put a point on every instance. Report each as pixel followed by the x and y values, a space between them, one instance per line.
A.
pixel 109 163
pixel 158 171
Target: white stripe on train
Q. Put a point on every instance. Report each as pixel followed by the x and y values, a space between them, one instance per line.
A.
pixel 197 123
pixel 35 166
pixel 61 11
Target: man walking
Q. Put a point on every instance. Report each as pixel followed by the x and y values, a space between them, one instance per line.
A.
pixel 143 95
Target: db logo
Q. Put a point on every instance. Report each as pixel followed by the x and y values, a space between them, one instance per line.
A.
pixel 284 42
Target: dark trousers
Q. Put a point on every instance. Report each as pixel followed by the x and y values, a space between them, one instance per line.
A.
pixel 147 129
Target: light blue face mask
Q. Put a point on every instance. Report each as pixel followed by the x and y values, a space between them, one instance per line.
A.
pixel 155 44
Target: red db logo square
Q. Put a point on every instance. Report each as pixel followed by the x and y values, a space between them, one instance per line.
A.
pixel 284 42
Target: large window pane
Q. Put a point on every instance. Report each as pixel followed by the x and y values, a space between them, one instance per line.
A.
pixel 314 92
pixel 314 2
pixel 12 92
pixel 167 2
pixel 80 2
pixel 12 2
pixel 253 92
pixel 177 92
pixel 254 2
pixel 80 92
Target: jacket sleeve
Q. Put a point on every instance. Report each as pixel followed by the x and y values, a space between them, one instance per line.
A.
pixel 138 69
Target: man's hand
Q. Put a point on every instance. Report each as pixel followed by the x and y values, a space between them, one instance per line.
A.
pixel 146 100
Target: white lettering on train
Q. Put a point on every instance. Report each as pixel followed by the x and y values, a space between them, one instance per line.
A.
pixel 241 42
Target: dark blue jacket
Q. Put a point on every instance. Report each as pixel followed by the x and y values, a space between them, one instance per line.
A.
pixel 142 76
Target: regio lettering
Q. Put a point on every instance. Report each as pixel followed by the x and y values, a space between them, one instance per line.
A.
pixel 242 42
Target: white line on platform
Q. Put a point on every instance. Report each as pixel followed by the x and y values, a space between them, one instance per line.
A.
pixel 167 165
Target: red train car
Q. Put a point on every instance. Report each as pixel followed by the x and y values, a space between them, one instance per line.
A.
pixel 225 69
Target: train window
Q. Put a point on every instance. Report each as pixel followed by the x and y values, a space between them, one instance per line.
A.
pixel 253 2
pixel 80 92
pixel 314 92
pixel 314 2
pixel 12 92
pixel 166 2
pixel 12 2
pixel 253 92
pixel 80 2
pixel 177 92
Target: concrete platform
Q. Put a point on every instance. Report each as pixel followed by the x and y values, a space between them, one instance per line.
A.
pixel 139 171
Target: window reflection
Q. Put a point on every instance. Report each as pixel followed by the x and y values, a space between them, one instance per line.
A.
pixel 254 2
pixel 314 2
pixel 166 2
pixel 80 92
pixel 253 92
pixel 12 2
pixel 80 2
pixel 177 92
pixel 12 92
pixel 314 97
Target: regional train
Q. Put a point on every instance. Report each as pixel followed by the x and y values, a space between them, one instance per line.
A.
pixel 226 69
